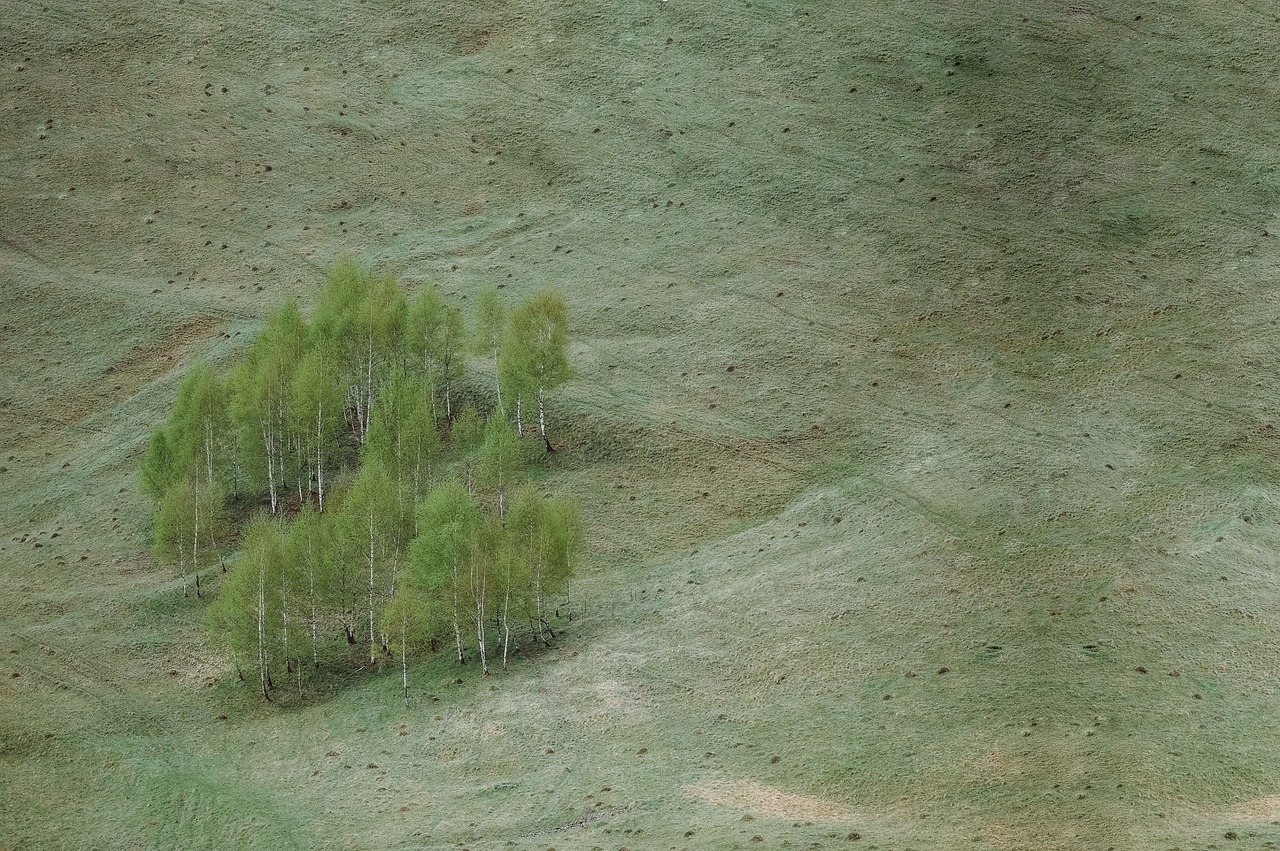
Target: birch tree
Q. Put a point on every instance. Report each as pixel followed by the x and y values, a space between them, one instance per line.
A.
pixel 194 434
pixel 499 459
pixel 403 437
pixel 246 617
pixel 491 326
pixel 408 621
pixel 367 528
pixel 440 556
pixel 436 337
pixel 510 580
pixel 545 536
pixel 333 327
pixel 160 468
pixel 534 355
pixel 261 390
pixel 199 422
pixel 565 535
pixel 379 336
pixel 466 434
pixel 310 549
pixel 316 408
pixel 362 317
pixel 189 522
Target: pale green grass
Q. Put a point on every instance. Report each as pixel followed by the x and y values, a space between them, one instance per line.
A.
pixel 960 259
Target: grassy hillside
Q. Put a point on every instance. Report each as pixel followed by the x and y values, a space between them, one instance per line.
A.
pixel 912 336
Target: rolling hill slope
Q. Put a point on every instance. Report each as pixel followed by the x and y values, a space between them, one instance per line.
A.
pixel 925 424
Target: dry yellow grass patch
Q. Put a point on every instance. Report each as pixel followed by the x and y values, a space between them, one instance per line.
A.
pixel 761 800
pixel 1266 808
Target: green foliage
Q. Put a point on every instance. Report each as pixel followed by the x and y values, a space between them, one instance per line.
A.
pixel 499 458
pixel 362 319
pixel 189 523
pixel 261 386
pixel 369 535
pixel 437 340
pixel 403 436
pixel 334 317
pixel 440 557
pixel 311 554
pixel 315 412
pixel 199 422
pixel 534 358
pixel 248 615
pixel 490 328
pixel 491 322
pixel 391 561
pixel 160 468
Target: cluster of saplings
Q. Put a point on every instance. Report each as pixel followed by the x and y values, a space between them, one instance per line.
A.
pixel 388 511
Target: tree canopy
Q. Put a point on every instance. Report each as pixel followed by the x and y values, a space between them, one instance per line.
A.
pixel 380 479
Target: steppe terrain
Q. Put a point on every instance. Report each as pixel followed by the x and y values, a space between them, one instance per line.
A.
pixel 911 336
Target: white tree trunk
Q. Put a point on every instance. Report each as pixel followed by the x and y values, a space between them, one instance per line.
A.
pixel 542 418
pixel 478 593
pixel 269 443
pixel 404 662
pixel 311 575
pixel 372 653
pixel 195 542
pixel 506 618
pixel 368 394
pixel 319 458
pixel 208 448
pixel 262 633
pixel 457 627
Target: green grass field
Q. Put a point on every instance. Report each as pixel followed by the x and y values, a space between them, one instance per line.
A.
pixel 911 336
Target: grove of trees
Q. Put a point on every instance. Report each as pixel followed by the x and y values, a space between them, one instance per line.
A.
pixel 385 513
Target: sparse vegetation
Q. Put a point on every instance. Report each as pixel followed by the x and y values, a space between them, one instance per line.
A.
pixel 912 337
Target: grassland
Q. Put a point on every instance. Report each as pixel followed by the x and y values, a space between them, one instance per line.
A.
pixel 911 336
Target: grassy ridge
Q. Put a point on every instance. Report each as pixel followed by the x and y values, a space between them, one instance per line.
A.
pixel 960 260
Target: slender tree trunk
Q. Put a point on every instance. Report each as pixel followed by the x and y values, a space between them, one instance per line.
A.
pixel 404 661
pixel 506 619
pixel 373 657
pixel 368 393
pixel 319 459
pixel 284 621
pixel 263 678
pixel 542 420
pixel 457 627
pixel 537 603
pixel 208 448
pixel 519 418
pixel 311 575
pixel 268 441
pixel 195 540
pixel 478 593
